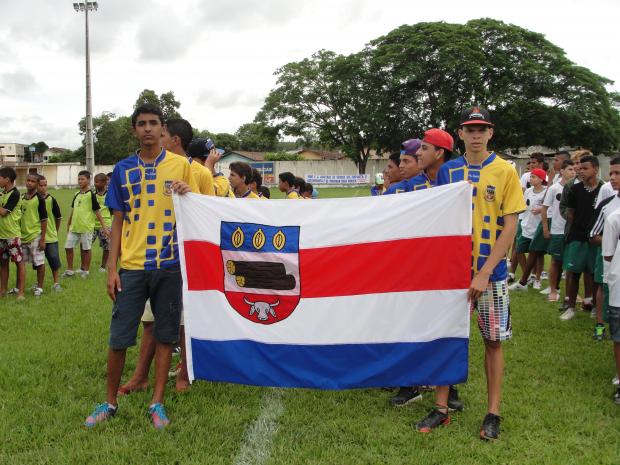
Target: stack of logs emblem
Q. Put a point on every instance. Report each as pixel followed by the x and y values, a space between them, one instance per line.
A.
pixel 260 275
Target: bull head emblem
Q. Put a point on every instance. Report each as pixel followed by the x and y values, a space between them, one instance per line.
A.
pixel 262 309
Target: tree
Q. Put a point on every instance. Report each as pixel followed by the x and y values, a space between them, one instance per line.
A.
pixel 257 137
pixel 113 138
pixel 39 149
pixel 423 75
pixel 226 141
pixel 166 101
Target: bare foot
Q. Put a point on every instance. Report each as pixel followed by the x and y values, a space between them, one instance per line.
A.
pixel 182 384
pixel 21 297
pixel 131 386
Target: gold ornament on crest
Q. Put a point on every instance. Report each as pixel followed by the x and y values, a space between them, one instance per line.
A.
pixel 279 240
pixel 237 238
pixel 258 240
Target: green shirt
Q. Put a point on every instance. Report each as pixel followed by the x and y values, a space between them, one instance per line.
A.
pixel 33 213
pixel 105 211
pixel 84 207
pixel 9 224
pixel 53 214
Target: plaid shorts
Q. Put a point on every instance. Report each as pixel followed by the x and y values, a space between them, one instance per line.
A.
pixel 32 253
pixel 493 308
pixel 11 249
pixel 104 242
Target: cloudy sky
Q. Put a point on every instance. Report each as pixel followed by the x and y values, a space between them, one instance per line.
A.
pixel 218 56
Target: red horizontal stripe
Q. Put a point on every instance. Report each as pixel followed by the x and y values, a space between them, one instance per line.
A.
pixel 418 264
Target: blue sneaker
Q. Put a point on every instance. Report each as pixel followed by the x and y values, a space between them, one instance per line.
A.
pixel 101 413
pixel 158 415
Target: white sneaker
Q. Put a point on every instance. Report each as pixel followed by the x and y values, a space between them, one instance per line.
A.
pixel 569 314
pixel 536 286
pixel 37 292
pixel 102 269
pixel 615 381
pixel 546 291
pixel 68 274
pixel 544 276
pixel 56 287
pixel 82 274
pixel 13 291
pixel 517 286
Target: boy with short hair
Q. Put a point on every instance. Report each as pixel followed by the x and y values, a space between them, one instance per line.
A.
pixel 555 232
pixel 287 185
pixel 497 200
pixel 54 217
pixel 239 178
pixel 81 225
pixel 144 239
pixel 308 191
pixel 10 232
pixel 397 182
pixel 257 183
pixel 33 226
pixel 101 190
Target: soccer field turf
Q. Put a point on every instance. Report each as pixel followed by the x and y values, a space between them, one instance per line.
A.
pixel 557 404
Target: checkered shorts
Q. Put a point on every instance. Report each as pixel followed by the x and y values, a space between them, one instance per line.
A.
pixel 493 309
pixel 104 242
pixel 11 249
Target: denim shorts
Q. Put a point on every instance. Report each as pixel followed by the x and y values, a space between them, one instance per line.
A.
pixel 164 289
pixel 614 323
pixel 52 255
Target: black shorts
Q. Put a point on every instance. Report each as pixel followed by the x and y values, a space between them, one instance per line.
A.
pixel 164 289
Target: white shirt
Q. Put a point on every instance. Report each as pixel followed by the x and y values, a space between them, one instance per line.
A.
pixel 611 248
pixel 605 192
pixel 552 200
pixel 530 221
pixel 525 178
pixel 556 178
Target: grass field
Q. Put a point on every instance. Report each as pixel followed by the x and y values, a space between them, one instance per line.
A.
pixel 557 405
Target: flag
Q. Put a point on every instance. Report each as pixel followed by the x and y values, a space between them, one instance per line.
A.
pixel 330 293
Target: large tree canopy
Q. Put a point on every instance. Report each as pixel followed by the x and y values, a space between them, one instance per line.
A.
pixel 423 75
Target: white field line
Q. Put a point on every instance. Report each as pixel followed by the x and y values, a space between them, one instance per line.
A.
pixel 256 448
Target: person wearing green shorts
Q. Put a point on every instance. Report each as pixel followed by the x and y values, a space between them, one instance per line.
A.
pixel 528 242
pixel 606 203
pixel 579 254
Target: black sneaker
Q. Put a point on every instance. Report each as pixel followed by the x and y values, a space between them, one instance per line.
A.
pixel 490 427
pixel 454 403
pixel 599 332
pixel 617 397
pixel 405 395
pixel 431 421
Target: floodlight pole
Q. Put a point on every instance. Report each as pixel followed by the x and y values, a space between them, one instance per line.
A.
pixel 90 152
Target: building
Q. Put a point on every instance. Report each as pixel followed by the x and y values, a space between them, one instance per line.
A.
pixel 11 153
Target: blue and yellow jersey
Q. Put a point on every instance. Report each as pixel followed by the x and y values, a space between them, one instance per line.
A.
pixel 420 182
pixel 293 194
pixel 222 186
pixel 397 188
pixel 203 177
pixel 143 193
pixel 496 193
pixel 250 195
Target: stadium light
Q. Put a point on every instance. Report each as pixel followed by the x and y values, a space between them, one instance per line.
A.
pixel 90 153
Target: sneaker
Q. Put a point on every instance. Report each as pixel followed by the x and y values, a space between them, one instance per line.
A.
pixel 57 287
pixel 593 313
pixel 13 291
pixel 101 413
pixel 38 292
pixel 599 332
pixel 617 397
pixel 82 274
pixel 536 286
pixel 615 381
pixel 511 278
pixel 454 403
pixel 544 276
pixel 68 274
pixel 102 269
pixel 517 286
pixel 546 291
pixel 176 351
pixel 405 395
pixel 174 371
pixel 158 415
pixel 490 427
pixel 569 314
pixel 431 421
pixel 587 305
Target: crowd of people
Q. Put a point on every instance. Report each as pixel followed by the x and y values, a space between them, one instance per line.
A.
pixel 565 212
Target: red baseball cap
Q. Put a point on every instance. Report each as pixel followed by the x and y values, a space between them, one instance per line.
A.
pixel 439 138
pixel 539 173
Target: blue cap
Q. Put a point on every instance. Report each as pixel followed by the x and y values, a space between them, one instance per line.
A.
pixel 410 147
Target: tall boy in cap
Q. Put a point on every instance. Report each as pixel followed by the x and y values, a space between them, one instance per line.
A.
pixel 435 149
pixel 497 200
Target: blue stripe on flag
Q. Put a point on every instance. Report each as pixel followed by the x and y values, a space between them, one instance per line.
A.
pixel 288 239
pixel 343 366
